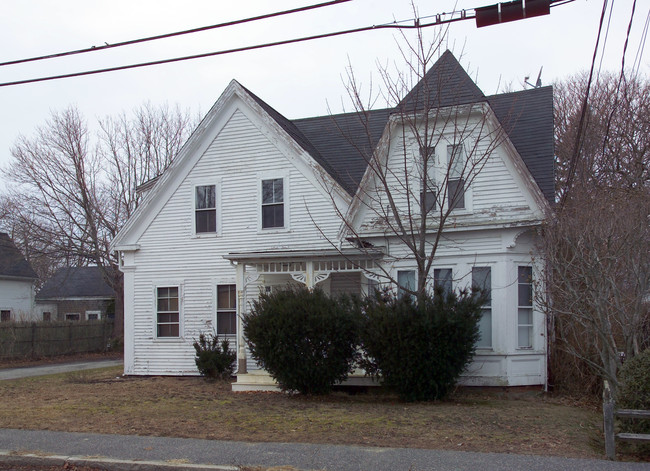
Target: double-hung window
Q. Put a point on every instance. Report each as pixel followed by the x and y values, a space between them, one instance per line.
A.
pixel 456 177
pixel 273 203
pixel 525 307
pixel 405 282
pixel 226 310
pixel 205 215
pixel 482 279
pixel 442 278
pixel 167 312
pixel 429 190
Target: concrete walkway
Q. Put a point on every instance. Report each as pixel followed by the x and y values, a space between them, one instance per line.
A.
pixel 17 373
pixel 118 452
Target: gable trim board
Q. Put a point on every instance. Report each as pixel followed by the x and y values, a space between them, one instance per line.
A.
pixel 243 141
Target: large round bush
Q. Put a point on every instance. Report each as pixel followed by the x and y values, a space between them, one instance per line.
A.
pixel 305 339
pixel 420 351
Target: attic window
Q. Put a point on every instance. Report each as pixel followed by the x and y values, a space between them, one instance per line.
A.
pixel 206 209
pixel 272 203
pixel 456 177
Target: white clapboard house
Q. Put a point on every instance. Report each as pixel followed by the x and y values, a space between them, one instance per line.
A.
pixel 255 201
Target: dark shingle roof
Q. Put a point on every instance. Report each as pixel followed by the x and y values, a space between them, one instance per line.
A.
pixel 76 282
pixel 445 84
pixel 12 262
pixel 345 142
pixel 342 143
pixel 527 117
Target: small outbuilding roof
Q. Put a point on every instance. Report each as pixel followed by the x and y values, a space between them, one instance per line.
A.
pixel 12 262
pixel 76 282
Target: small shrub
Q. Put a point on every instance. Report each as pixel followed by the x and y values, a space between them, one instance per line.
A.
pixel 214 359
pixel 420 351
pixel 634 391
pixel 304 339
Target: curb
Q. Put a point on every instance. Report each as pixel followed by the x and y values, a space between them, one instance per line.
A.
pixel 108 464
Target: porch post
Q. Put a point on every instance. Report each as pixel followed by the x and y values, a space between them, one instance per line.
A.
pixel 309 274
pixel 241 345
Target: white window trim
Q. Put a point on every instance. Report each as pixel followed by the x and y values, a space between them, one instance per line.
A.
pixel 218 207
pixel 154 299
pixel 531 307
pixel 491 305
pixel 286 200
pixel 442 162
pixel 99 314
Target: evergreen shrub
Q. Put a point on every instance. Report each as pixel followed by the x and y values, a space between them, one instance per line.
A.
pixel 305 339
pixel 420 351
pixel 634 391
pixel 214 358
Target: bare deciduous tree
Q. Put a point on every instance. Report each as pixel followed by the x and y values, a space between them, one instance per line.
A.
pixel 438 139
pixel 73 194
pixel 598 245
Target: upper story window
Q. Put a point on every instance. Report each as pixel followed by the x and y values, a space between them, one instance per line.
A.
pixel 205 214
pixel 168 312
pixel 482 279
pixel 429 190
pixel 525 307
pixel 456 177
pixel 272 203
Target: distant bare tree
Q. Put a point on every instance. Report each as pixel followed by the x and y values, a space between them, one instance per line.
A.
pixel 73 194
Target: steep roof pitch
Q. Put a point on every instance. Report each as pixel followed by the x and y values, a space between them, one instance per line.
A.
pixel 12 262
pixel 445 84
pixel 527 117
pixel 76 282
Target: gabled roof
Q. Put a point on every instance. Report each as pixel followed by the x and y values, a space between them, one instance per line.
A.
pixel 77 282
pixel 12 262
pixel 527 118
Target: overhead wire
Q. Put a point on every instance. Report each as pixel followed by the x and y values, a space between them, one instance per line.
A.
pixel 577 147
pixel 392 25
pixel 174 34
pixel 636 65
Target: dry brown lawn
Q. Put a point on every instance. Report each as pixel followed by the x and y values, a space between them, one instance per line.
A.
pixel 103 401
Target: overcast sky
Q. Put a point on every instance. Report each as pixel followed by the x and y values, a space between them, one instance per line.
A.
pixel 298 80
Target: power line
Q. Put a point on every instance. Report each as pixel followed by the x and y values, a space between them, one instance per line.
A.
pixel 171 35
pixel 393 25
pixel 578 143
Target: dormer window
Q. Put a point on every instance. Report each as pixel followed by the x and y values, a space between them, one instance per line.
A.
pixel 205 215
pixel 273 203
pixel 456 177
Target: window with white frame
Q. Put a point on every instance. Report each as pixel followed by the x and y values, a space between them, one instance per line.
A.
pixel 525 307
pixel 205 213
pixel 168 320
pixel 226 309
pixel 482 279
pixel 273 203
pixel 429 189
pixel 442 278
pixel 405 282
pixel 456 177
pixel 93 315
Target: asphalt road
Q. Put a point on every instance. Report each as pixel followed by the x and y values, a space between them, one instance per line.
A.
pixel 181 453
pixel 17 373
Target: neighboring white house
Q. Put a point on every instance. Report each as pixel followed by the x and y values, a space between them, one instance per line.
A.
pixel 253 201
pixel 17 283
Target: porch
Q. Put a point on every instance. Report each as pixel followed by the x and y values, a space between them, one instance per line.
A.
pixel 336 271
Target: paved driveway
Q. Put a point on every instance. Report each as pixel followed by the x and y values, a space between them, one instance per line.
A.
pixel 16 373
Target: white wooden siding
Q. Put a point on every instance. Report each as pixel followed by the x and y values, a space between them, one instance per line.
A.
pixel 171 254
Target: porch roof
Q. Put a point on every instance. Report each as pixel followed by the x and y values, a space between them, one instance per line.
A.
pixel 304 255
